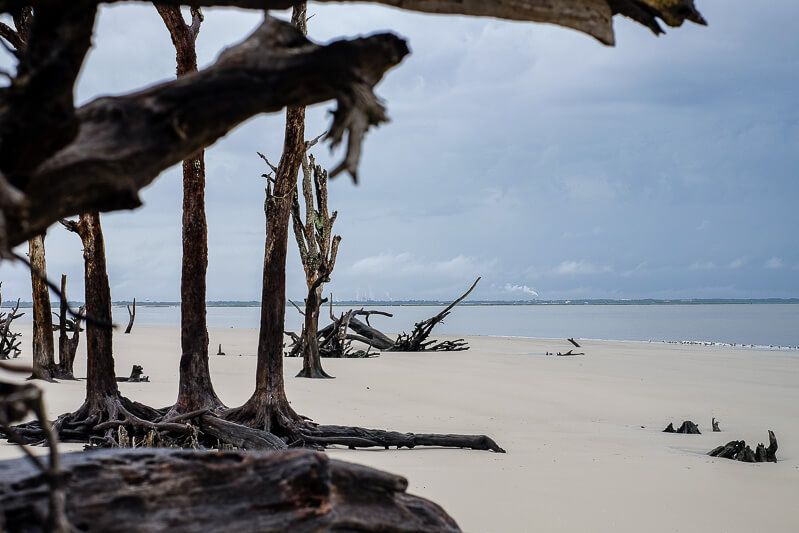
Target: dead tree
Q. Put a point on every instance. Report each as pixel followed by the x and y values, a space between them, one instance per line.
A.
pixel 687 428
pixel 9 340
pixel 417 341
pixel 318 250
pixel 67 346
pixel 44 366
pixel 131 317
pixel 195 390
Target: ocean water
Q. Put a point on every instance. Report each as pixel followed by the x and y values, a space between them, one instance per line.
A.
pixel 758 324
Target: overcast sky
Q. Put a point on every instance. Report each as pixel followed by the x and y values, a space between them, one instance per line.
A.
pixel 529 154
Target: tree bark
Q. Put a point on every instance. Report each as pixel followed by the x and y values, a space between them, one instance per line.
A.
pixel 43 350
pixel 269 407
pixel 195 390
pixel 311 359
pixel 100 377
pixel 148 490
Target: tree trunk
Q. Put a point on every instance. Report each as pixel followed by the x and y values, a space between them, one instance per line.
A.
pixel 268 408
pixel 311 360
pixel 195 390
pixel 100 377
pixel 43 350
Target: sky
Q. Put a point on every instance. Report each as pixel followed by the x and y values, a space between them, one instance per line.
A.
pixel 528 154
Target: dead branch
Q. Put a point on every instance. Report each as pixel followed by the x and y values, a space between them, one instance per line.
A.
pixel 131 316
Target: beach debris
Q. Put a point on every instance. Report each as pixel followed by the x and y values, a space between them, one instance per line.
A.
pixel 131 316
pixel 574 342
pixel 136 375
pixel 738 450
pixel 715 424
pixel 687 427
pixel 335 339
pixel 220 352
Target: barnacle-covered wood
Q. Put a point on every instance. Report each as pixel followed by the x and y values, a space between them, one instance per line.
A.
pixel 160 490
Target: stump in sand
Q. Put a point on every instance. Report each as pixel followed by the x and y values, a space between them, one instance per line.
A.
pixel 687 427
pixel 737 450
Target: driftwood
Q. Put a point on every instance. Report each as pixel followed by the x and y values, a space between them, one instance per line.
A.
pixel 715 424
pixel 335 339
pixel 131 316
pixel 687 427
pixel 154 490
pixel 738 450
pixel 136 375
pixel 9 340
pixel 417 341
pixel 574 342
pixel 220 352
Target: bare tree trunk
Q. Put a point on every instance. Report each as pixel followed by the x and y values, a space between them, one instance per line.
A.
pixel 195 390
pixel 100 377
pixel 43 350
pixel 311 360
pixel 268 407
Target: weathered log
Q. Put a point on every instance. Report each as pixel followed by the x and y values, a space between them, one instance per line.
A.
pixel 687 427
pixel 131 317
pixel 136 375
pixel 158 490
pixel 715 424
pixel 737 450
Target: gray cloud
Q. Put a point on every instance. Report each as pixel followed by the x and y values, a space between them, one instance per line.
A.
pixel 518 152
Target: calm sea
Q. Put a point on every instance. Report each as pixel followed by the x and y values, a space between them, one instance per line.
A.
pixel 759 324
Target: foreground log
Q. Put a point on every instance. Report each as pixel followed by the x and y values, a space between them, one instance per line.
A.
pixel 687 428
pixel 737 450
pixel 159 490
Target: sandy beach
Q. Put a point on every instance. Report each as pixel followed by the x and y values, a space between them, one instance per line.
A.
pixel 583 434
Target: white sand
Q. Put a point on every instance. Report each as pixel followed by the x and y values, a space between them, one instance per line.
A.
pixel 578 457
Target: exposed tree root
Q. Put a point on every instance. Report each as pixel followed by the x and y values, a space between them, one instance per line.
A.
pixel 281 420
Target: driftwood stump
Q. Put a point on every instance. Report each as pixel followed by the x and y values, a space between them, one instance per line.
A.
pixel 687 427
pixel 737 450
pixel 131 316
pixel 149 490
pixel 136 375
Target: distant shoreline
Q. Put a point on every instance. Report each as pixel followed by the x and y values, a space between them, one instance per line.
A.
pixel 434 303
